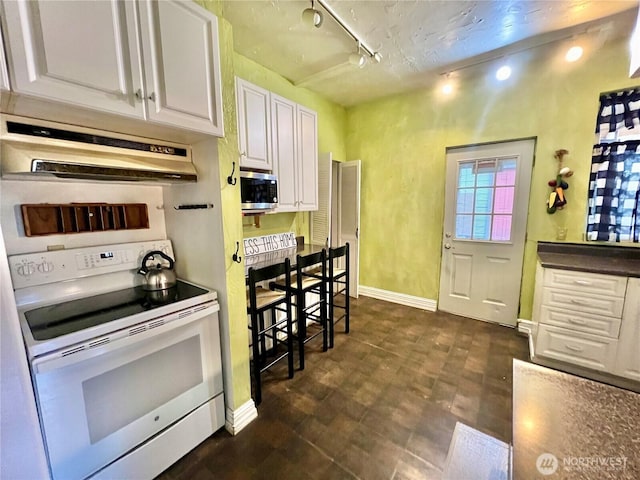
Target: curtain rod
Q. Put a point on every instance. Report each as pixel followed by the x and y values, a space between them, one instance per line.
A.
pixel 637 87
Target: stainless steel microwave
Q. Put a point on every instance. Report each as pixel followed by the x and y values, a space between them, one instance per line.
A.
pixel 258 191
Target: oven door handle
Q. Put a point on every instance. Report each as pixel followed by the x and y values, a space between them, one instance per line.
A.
pixel 121 338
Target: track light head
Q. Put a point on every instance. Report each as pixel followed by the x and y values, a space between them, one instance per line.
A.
pixel 357 59
pixel 312 17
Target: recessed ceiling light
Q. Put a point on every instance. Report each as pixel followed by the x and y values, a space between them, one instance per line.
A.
pixel 447 88
pixel 503 72
pixel 573 54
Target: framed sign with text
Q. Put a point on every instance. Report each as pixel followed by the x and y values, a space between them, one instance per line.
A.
pixel 269 243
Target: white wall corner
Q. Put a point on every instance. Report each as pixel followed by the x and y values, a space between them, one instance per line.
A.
pixel 239 418
pixel 401 298
pixel 525 326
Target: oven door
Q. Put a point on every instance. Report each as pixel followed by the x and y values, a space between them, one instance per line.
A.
pixel 98 404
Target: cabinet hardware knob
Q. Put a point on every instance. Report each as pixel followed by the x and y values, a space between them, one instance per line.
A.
pixel 139 94
pixel 152 97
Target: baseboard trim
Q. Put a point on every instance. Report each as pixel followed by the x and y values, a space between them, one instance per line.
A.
pixel 401 298
pixel 239 418
pixel 525 326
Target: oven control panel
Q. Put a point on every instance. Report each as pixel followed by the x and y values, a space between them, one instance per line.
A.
pixel 34 269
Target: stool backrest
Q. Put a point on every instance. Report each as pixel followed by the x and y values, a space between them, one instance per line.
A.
pixel 338 252
pixel 257 275
pixel 311 260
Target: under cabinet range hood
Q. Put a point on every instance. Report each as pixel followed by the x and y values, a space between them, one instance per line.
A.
pixel 36 149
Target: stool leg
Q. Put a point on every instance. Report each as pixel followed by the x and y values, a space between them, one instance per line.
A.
pixel 331 313
pixel 347 302
pixel 302 328
pixel 323 316
pixel 289 341
pixel 256 355
pixel 263 342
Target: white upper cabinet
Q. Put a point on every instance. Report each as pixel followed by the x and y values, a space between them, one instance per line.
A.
pixel 307 129
pixel 283 124
pixel 254 126
pixel 295 155
pixel 163 67
pixel 181 65
pixel 76 52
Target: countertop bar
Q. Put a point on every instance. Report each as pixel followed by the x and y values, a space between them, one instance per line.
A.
pixel 278 256
pixel 605 259
pixel 591 428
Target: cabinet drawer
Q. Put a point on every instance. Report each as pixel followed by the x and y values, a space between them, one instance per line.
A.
pixel 597 353
pixel 581 322
pixel 585 282
pixel 583 302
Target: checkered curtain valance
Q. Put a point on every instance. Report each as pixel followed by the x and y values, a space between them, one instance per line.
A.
pixel 619 110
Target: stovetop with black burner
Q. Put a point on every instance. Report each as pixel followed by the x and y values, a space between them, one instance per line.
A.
pixel 63 318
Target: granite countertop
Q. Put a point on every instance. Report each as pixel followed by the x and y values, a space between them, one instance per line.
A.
pixel 605 259
pixel 591 430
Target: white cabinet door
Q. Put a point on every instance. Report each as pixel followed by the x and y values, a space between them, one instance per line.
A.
pixel 628 355
pixel 307 125
pixel 76 52
pixel 182 65
pixel 283 126
pixel 254 125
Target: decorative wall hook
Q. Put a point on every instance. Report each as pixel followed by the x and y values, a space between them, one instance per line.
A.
pixel 237 258
pixel 557 199
pixel 230 179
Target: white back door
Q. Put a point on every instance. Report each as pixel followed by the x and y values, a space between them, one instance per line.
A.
pixel 349 218
pixel 486 205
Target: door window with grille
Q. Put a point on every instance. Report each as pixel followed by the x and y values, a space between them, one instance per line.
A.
pixel 485 199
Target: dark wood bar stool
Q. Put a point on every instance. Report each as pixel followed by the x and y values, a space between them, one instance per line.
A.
pixel 310 278
pixel 338 284
pixel 267 337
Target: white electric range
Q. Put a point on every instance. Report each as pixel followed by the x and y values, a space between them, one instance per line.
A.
pixel 126 381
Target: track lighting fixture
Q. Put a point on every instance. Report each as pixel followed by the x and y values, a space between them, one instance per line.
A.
pixel 357 59
pixel 312 17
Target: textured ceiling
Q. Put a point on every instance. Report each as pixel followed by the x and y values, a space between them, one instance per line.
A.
pixel 419 40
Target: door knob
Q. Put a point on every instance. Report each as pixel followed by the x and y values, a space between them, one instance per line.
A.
pixel 448 235
pixel 447 246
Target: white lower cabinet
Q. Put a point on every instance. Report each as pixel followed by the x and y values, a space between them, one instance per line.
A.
pixel 588 319
pixel 121 57
pixel 628 358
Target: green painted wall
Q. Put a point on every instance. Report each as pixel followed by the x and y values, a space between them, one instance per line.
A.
pixel 401 141
pixel 332 122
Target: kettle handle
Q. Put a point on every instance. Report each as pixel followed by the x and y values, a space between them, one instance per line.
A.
pixel 143 268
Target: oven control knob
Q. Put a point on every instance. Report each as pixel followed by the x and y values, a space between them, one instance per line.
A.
pixel 27 269
pixel 45 267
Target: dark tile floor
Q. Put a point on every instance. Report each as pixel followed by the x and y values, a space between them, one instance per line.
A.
pixel 382 404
